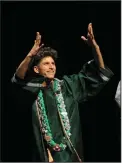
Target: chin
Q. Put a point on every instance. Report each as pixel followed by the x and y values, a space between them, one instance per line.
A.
pixel 50 77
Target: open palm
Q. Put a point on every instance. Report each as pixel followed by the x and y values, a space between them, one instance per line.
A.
pixel 37 44
pixel 90 40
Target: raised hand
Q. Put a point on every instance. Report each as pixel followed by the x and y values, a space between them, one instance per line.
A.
pixel 90 40
pixel 37 45
pixel 23 67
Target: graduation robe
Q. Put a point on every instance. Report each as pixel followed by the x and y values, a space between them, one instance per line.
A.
pixel 118 94
pixel 76 89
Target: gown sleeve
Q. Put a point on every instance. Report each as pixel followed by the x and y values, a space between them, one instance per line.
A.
pixel 118 94
pixel 29 85
pixel 88 82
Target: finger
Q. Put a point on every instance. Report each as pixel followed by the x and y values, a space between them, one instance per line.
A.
pixel 90 36
pixel 37 42
pixel 89 28
pixel 90 33
pixel 41 46
pixel 90 24
pixel 37 33
pixel 38 38
pixel 83 38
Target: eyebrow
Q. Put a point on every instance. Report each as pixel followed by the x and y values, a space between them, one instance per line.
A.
pixel 48 62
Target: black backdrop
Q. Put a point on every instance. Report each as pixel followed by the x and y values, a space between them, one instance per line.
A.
pixel 61 24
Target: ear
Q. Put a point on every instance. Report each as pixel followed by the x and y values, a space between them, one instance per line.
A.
pixel 36 70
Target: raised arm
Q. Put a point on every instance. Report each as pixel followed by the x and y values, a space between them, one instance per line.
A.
pixel 23 67
pixel 90 40
pixel 93 76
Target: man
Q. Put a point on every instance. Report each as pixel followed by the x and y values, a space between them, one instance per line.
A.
pixel 55 114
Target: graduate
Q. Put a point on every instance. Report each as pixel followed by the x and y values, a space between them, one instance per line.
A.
pixel 55 111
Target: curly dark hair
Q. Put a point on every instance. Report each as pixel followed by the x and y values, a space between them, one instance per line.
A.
pixel 44 52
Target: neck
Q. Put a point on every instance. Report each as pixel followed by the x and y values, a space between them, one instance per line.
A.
pixel 47 82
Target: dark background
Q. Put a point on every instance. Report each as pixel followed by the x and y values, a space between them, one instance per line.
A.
pixel 61 24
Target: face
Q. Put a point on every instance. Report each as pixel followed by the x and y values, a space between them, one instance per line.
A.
pixel 46 67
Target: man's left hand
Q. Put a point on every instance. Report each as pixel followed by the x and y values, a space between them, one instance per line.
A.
pixel 90 40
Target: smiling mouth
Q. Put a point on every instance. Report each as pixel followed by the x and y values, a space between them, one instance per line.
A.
pixel 50 72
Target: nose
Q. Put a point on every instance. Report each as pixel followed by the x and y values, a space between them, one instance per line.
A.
pixel 51 66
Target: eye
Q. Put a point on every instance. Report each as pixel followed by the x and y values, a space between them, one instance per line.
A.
pixel 53 63
pixel 46 63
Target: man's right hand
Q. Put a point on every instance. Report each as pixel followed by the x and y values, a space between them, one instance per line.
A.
pixel 37 45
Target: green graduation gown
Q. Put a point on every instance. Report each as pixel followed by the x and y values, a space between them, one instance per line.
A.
pixel 76 89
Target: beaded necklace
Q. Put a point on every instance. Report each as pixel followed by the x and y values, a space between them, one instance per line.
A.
pixel 43 119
